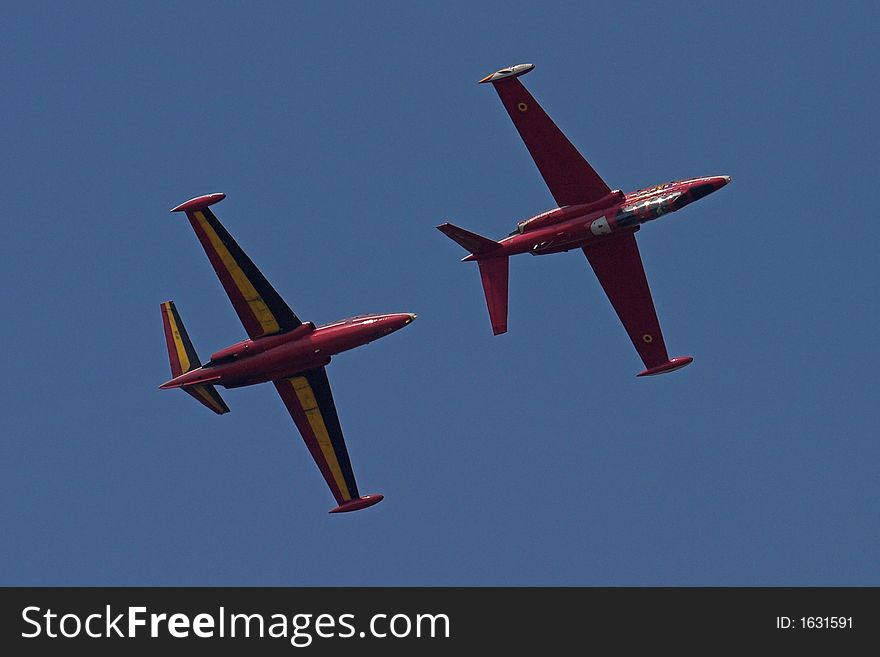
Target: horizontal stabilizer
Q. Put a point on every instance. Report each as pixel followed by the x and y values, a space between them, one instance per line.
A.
pixel 476 244
pixel 494 274
pixel 208 396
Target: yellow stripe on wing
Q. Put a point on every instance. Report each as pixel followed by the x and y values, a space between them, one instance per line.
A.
pixel 261 311
pixel 316 420
pixel 178 341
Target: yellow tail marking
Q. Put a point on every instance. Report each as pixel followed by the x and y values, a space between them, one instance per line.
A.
pixel 255 301
pixel 203 393
pixel 178 341
pixel 316 420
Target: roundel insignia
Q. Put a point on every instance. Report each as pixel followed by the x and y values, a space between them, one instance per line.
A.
pixel 522 107
pixel 647 338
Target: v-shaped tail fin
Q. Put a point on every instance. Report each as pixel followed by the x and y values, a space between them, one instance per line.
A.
pixel 183 358
pixel 493 271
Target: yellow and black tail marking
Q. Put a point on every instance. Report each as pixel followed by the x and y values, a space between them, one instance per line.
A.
pixel 208 395
pixel 181 353
pixel 183 359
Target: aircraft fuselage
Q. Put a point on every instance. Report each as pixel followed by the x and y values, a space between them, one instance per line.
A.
pixel 575 226
pixel 279 356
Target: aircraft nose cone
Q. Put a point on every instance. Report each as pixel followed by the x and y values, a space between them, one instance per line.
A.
pixel 395 322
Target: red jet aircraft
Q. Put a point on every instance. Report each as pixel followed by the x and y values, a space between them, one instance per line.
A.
pixel 590 217
pixel 281 349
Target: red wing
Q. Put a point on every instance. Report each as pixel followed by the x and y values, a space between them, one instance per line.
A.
pixel 618 266
pixel 569 176
pixel 309 401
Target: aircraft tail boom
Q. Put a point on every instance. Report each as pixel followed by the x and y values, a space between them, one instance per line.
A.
pixel 494 268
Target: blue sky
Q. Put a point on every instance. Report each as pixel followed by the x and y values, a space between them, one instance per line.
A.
pixel 342 134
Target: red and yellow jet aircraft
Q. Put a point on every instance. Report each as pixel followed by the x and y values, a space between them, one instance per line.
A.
pixel 281 349
pixel 591 217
